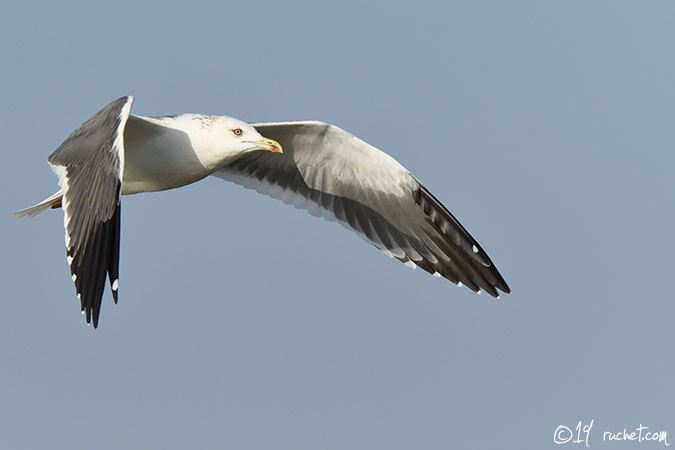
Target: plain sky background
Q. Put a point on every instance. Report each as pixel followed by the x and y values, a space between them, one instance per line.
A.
pixel 547 128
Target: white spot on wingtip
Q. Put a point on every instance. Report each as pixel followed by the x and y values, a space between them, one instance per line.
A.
pixel 459 284
pixel 74 277
pixel 79 297
pixel 475 249
pixel 436 274
pixel 83 312
pixel 70 259
pixel 115 284
pixel 498 297
pixel 479 292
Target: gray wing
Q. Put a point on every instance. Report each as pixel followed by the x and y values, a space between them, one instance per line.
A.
pixel 333 174
pixel 90 163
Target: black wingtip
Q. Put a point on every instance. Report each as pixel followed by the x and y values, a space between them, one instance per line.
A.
pixel 501 283
pixel 471 260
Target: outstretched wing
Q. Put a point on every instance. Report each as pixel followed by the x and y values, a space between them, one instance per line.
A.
pixel 333 174
pixel 90 163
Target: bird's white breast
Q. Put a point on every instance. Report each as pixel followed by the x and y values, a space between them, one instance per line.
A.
pixel 166 153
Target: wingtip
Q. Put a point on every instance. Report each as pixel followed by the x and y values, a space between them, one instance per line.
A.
pixel 114 286
pixel 503 291
pixel 91 319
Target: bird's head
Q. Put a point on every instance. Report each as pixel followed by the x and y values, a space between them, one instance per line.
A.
pixel 239 136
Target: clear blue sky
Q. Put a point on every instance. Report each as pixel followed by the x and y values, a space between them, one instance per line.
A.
pixel 546 127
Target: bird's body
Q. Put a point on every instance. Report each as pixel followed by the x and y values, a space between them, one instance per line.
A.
pixel 168 152
pixel 322 168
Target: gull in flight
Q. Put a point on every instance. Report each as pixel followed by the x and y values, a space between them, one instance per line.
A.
pixel 311 165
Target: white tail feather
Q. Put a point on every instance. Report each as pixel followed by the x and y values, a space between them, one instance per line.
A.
pixel 43 206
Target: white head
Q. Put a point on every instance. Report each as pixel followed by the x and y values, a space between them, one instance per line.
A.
pixel 217 140
pixel 238 136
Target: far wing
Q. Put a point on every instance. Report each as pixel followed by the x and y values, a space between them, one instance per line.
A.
pixel 90 163
pixel 333 174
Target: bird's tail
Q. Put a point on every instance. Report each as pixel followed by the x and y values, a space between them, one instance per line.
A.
pixel 52 202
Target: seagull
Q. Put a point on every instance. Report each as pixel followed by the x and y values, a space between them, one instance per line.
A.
pixel 308 164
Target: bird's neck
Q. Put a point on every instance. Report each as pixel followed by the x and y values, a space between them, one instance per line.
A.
pixel 168 152
pixel 204 142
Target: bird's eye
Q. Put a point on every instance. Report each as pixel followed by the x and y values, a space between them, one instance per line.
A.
pixel 237 131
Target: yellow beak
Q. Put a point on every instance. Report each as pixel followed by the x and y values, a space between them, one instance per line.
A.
pixel 267 144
